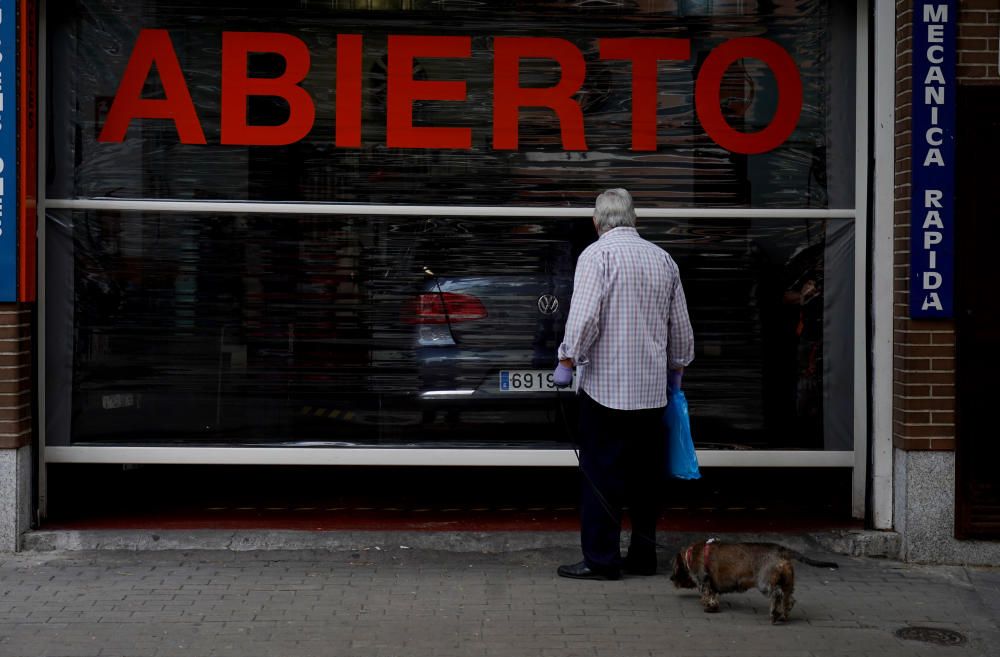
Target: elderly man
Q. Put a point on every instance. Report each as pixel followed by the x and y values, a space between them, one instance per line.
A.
pixel 629 333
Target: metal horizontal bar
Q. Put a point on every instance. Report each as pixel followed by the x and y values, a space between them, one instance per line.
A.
pixel 429 210
pixel 415 457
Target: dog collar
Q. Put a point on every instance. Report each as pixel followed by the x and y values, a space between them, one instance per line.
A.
pixel 687 557
pixel 704 555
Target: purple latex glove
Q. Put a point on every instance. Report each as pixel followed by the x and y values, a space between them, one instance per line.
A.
pixel 563 376
pixel 674 380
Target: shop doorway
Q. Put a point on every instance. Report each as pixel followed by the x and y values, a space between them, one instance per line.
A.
pixel 978 315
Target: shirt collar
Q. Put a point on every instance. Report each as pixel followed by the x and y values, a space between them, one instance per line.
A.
pixel 620 230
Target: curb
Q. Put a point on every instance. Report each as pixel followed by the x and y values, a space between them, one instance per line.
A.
pixel 852 543
pixel 251 540
pixel 858 543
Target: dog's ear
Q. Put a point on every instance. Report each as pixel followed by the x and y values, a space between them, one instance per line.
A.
pixel 680 575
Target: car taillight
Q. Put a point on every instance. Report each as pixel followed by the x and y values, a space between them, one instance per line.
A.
pixel 442 307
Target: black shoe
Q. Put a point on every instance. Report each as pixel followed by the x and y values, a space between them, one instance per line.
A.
pixel 582 571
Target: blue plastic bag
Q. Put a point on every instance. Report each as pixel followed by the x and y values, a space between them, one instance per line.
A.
pixel 682 462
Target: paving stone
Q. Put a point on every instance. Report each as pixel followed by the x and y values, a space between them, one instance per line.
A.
pixel 418 602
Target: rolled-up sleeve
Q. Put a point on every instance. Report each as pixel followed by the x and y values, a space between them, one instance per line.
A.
pixel 680 338
pixel 584 322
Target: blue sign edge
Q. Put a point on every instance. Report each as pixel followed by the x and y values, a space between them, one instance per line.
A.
pixel 8 152
pixel 920 178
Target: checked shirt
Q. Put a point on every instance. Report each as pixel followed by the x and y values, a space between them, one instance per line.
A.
pixel 628 322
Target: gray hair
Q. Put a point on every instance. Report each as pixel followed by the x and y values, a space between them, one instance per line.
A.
pixel 614 209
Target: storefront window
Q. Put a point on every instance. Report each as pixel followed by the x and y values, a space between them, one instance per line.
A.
pixel 235 328
pixel 555 160
pixel 233 325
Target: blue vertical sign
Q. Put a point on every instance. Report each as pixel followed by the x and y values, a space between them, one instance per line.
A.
pixel 8 151
pixel 932 218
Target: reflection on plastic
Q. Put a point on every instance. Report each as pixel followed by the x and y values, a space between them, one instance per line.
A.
pixel 335 140
pixel 272 329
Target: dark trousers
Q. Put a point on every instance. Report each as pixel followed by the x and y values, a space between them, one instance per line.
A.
pixel 621 455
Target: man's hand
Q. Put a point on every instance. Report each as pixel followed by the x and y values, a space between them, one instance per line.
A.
pixel 563 376
pixel 674 380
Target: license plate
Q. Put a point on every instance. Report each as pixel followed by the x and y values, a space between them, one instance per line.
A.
pixel 529 381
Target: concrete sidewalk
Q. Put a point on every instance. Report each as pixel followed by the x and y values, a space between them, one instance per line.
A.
pixel 395 600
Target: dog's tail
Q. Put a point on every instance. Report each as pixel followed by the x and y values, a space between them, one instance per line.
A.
pixel 798 556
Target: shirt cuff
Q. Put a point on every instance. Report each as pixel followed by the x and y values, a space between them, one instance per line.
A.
pixel 564 353
pixel 680 363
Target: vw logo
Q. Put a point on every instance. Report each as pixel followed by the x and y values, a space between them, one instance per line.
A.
pixel 548 304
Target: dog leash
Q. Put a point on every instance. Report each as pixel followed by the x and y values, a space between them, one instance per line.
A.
pixel 593 485
pixel 617 518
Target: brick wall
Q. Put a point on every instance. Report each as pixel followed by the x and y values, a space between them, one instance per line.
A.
pixel 15 376
pixel 978 36
pixel 924 351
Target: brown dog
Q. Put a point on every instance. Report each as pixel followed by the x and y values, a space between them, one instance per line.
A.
pixel 715 567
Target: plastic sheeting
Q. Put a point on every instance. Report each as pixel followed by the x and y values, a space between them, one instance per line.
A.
pixel 229 328
pixel 90 42
pixel 235 329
